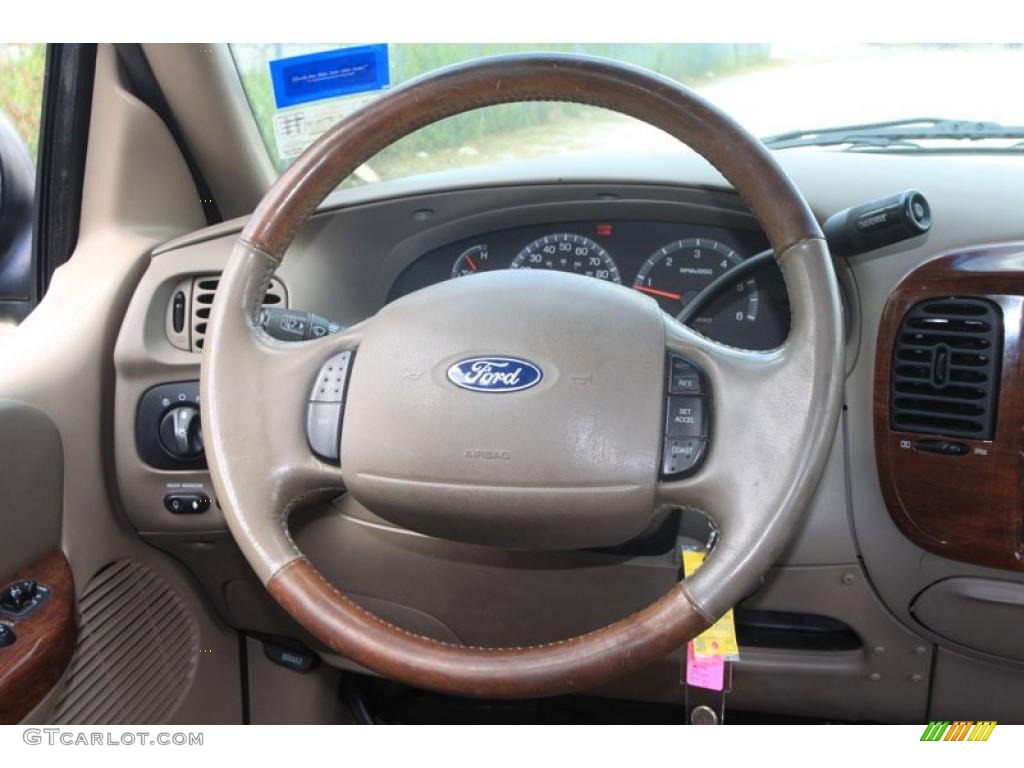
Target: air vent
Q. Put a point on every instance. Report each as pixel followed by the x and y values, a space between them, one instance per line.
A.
pixel 203 290
pixel 196 293
pixel 945 368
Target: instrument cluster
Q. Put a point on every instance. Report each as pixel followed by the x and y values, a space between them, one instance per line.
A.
pixel 670 261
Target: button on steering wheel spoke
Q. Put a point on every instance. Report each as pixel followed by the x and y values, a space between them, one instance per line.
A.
pixel 308 385
pixel 764 432
pixel 711 415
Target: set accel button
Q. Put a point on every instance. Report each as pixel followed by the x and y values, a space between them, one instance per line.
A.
pixel 685 417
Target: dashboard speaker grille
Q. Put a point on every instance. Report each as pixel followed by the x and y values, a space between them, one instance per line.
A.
pixel 945 368
pixel 203 290
pixel 137 650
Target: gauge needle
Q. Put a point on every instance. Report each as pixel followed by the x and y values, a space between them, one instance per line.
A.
pixel 469 260
pixel 656 292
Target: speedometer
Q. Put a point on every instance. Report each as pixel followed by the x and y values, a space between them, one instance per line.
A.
pixel 568 253
pixel 676 272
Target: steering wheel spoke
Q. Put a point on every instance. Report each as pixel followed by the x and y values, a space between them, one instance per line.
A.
pixel 767 409
pixel 728 378
pixel 736 476
pixel 265 402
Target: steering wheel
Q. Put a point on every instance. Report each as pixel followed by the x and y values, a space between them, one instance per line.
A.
pixel 556 440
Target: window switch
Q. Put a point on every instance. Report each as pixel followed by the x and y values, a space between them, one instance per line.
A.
pixel 16 597
pixel 20 597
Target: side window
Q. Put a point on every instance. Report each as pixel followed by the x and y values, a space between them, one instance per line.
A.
pixel 22 68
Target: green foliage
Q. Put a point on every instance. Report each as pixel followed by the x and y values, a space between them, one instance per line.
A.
pixel 689 63
pixel 22 67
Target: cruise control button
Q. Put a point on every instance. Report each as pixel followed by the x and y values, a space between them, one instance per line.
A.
pixel 323 429
pixel 329 386
pixel 683 378
pixel 681 455
pixel 685 417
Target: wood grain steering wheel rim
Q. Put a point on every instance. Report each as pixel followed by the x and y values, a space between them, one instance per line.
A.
pixel 785 402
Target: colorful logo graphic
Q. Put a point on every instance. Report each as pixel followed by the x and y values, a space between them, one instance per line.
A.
pixel 959 730
pixel 495 374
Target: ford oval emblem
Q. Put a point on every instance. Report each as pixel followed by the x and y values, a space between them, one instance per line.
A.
pixel 495 374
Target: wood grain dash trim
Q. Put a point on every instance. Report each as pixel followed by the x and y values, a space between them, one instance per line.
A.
pixel 966 508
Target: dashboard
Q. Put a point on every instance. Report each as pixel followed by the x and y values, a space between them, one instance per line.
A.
pixel 669 261
pixel 638 222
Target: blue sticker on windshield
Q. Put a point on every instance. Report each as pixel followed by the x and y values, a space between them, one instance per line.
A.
pixel 329 74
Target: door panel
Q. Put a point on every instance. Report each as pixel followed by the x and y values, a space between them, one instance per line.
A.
pixel 31 483
pixel 58 492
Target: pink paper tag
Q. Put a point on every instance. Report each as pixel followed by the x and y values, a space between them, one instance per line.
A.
pixel 707 672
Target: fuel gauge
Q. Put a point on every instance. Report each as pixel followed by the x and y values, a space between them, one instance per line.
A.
pixel 470 261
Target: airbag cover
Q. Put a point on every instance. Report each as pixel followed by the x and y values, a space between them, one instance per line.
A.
pixel 563 456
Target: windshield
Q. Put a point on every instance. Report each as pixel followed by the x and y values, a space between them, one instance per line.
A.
pixel 298 91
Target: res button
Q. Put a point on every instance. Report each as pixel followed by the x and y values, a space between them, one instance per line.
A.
pixel 683 378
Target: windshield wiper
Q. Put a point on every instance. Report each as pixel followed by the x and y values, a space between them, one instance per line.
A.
pixel 898 133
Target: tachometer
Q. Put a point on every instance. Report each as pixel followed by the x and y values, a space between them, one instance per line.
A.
pixel 568 253
pixel 676 272
pixel 470 261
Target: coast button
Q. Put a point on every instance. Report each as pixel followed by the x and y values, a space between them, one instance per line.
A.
pixel 680 455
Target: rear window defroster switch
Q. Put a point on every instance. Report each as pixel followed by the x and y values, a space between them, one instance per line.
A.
pixel 186 503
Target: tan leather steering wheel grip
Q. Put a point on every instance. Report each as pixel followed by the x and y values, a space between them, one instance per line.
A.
pixel 774 413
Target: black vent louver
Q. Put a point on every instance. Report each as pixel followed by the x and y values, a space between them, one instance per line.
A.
pixel 203 291
pixel 945 368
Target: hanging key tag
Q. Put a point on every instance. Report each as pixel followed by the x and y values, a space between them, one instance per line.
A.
pixel 707 674
pixel 720 638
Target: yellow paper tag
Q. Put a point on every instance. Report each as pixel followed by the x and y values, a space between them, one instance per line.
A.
pixel 720 638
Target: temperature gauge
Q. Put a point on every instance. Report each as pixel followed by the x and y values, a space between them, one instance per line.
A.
pixel 470 261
